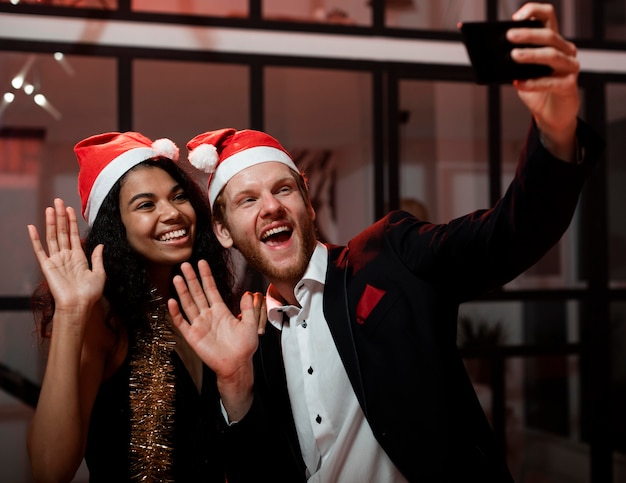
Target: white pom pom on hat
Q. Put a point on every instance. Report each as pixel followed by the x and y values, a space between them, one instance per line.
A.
pixel 166 148
pixel 225 152
pixel 205 158
pixel 105 158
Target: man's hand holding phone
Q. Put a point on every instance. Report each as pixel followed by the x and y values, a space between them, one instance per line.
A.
pixel 489 51
pixel 548 82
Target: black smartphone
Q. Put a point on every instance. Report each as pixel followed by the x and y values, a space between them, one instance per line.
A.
pixel 489 52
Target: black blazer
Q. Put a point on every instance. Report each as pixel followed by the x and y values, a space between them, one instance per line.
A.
pixel 401 355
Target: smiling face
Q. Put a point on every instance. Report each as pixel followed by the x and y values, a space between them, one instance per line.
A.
pixel 269 222
pixel 159 219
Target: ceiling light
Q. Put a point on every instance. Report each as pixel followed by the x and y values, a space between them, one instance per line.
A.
pixel 41 100
pixel 18 80
pixel 7 99
pixel 60 58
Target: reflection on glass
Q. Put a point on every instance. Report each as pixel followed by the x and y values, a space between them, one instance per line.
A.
pixel 22 151
pixel 215 8
pixel 439 15
pixel 99 4
pixel 559 266
pixel 339 12
pixel 66 96
pixel 540 390
pixel 615 20
pixel 181 99
pixel 443 155
pixel 37 138
pixel 21 375
pixel 618 383
pixel 324 118
pixel 550 422
pixel 576 17
pixel 616 179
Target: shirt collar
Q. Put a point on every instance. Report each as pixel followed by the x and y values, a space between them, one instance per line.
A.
pixel 315 271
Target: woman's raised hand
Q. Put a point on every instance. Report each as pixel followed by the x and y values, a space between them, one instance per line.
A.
pixel 224 342
pixel 74 285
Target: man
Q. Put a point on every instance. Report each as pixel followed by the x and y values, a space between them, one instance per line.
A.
pixel 358 377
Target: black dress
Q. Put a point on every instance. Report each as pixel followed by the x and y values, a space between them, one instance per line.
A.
pixel 195 457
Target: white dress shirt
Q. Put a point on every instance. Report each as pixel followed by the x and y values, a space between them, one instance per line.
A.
pixel 336 440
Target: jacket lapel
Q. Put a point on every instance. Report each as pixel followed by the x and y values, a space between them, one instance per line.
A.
pixel 336 311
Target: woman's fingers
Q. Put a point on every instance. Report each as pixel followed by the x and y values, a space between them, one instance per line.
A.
pixel 62 237
pixel 186 299
pixel 196 295
pixel 208 283
pixel 35 241
pixel 198 287
pixel 74 232
pixel 51 230
pixel 97 259
pixel 254 310
pixel 61 227
pixel 177 316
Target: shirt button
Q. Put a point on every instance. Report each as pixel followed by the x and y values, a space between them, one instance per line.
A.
pixel 304 324
pixel 310 370
pixel 318 419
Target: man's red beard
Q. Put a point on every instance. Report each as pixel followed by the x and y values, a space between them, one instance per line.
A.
pixel 250 251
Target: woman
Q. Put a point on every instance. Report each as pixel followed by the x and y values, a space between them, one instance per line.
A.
pixel 122 388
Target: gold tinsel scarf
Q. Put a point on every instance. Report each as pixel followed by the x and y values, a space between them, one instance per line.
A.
pixel 152 393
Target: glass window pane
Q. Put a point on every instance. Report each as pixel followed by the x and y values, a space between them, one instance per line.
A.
pixel 568 13
pixel 37 164
pixel 19 352
pixel 100 4
pixel 541 389
pixel 439 15
pixel 324 117
pixel 443 150
pixel 576 17
pixel 216 8
pixel 615 20
pixel 616 179
pixel 487 325
pixel 559 266
pixel 20 160
pixel 79 94
pixel 36 141
pixel 618 387
pixel 19 373
pixel 178 100
pixel 546 433
pixel 340 12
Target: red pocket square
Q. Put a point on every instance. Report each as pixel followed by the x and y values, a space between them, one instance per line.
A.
pixel 371 296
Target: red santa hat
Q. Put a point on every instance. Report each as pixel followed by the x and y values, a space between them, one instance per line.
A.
pixel 105 158
pixel 225 152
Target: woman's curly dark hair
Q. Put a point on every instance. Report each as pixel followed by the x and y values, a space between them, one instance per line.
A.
pixel 127 285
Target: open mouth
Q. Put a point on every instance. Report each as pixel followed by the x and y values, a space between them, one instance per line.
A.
pixel 173 235
pixel 277 235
